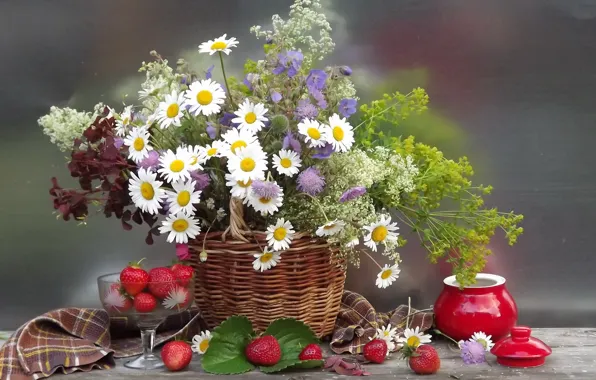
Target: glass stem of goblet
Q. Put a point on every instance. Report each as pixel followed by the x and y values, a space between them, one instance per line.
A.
pixel 148 340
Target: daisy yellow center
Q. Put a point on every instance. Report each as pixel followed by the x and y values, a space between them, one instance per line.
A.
pixel 313 133
pixel 385 333
pixel 138 144
pixel 244 184
pixel 280 233
pixel 379 234
pixel 329 226
pixel 264 200
pixel 147 191
pixel 237 144
pixel 413 341
pixel 386 274
pixel 285 162
pixel 204 345
pixel 125 121
pixel 177 166
pixel 180 225
pixel 204 97
pixel 338 133
pixel 219 45
pixel 482 342
pixel 266 257
pixel 172 110
pixel 250 117
pixel 247 164
pixel 212 151
pixel 183 198
pixel 194 160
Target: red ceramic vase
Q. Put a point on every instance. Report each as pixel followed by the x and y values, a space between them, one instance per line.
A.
pixel 485 306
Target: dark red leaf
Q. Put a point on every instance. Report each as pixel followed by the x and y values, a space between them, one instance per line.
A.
pixel 126 216
pixel 126 226
pixel 149 238
pixel 136 217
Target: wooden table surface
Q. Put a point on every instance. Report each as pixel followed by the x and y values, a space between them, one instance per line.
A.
pixel 573 357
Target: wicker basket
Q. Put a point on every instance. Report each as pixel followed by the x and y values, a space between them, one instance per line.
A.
pixel 307 284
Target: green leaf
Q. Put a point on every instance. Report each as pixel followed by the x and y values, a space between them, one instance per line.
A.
pixel 309 364
pixel 283 364
pixel 225 355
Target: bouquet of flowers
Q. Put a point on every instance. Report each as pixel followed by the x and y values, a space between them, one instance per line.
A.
pixel 287 146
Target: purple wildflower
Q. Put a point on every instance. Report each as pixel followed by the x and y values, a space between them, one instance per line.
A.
pixel 347 107
pixel 208 73
pixel 201 179
pixel 248 78
pixel 315 81
pixel 269 41
pixel 289 61
pixel 311 181
pixel 352 194
pixel 226 119
pixel 151 161
pixel 118 142
pixel 472 352
pixel 305 110
pixel 211 130
pixel 320 98
pixel 345 70
pixel 275 96
pixel 291 142
pixel 184 79
pixel 266 189
pixel 324 152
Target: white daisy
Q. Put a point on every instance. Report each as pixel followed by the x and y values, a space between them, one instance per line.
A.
pixel 313 132
pixel 251 117
pixel 339 133
pixel 183 197
pixel 216 149
pixel 330 228
pixel 280 235
pixel 180 227
pixel 198 156
pixel 170 110
pixel 123 122
pixel 137 142
pixel 178 297
pixel 387 275
pixel 204 97
pixel 287 162
pixel 264 205
pixel 235 139
pixel 175 166
pixel 219 44
pixel 389 335
pixel 380 232
pixel 265 260
pixel 483 339
pixel 145 191
pixel 239 189
pixel 414 337
pixel 114 299
pixel 200 343
pixel 248 163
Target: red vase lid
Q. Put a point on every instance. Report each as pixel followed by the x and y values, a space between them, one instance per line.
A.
pixel 520 349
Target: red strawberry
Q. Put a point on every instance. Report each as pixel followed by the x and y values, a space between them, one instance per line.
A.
pixel 176 355
pixel 263 351
pixel 375 351
pixel 182 273
pixel 133 278
pixel 161 281
pixel 145 303
pixel 311 352
pixel 425 360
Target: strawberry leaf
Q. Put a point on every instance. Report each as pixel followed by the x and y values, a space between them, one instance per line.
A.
pixel 309 364
pixel 283 364
pixel 225 355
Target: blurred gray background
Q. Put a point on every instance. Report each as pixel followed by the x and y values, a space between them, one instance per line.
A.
pixel 512 86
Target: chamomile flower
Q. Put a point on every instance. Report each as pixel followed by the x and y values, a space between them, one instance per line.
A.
pixel 313 132
pixel 248 163
pixel 138 144
pixel 216 149
pixel 380 232
pixel 123 122
pixel 265 260
pixel 204 97
pixel 483 339
pixel 330 228
pixel 145 190
pixel 239 189
pixel 200 343
pixel 280 235
pixel 178 297
pixel 114 299
pixel 266 198
pixel 389 335
pixel 387 275
pixel 414 337
pixel 251 117
pixel 198 156
pixel 339 133
pixel 219 44
pixel 175 166
pixel 183 198
pixel 179 227
pixel 170 110
pixel 287 162
pixel 235 139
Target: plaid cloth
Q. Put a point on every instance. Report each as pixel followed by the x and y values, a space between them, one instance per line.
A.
pixel 358 321
pixel 69 340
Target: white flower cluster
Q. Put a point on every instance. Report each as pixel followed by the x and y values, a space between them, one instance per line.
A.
pixel 305 16
pixel 64 125
pixel 160 79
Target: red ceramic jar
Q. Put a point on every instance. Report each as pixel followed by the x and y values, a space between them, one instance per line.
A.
pixel 485 306
pixel 521 349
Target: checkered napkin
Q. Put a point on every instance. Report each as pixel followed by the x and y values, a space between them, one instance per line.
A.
pixel 69 340
pixel 358 321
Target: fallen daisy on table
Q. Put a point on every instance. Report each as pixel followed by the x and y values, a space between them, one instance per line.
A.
pixel 200 342
pixel 389 335
pixel 414 337
pixel 483 339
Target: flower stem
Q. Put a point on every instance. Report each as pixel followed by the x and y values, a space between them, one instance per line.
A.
pixel 446 336
pixel 223 71
pixel 370 257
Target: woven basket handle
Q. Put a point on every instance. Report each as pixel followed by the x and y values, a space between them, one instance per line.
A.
pixel 237 225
